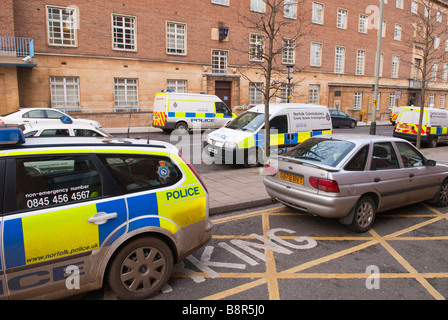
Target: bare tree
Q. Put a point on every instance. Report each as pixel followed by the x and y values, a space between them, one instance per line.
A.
pixel 276 27
pixel 427 32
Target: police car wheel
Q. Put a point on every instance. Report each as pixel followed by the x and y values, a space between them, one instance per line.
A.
pixel 181 127
pixel 141 269
pixel 253 158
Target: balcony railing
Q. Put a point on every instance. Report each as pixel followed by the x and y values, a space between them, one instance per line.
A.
pixel 16 46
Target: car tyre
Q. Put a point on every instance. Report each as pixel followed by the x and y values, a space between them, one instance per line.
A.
pixel 365 213
pixel 352 124
pixel 253 158
pixel 442 196
pixel 141 269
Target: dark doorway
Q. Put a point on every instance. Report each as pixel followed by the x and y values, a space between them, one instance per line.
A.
pixel 223 89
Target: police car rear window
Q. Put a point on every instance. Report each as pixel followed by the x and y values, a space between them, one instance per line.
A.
pixel 55 180
pixel 135 173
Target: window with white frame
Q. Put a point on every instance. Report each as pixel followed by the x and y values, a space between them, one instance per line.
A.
pixel 360 62
pixel 381 64
pixel 65 92
pixel 362 23
pixel 395 63
pixel 126 92
pixel 318 13
pixel 446 45
pixel 434 71
pixel 342 19
pixel 285 92
pixel 445 72
pixel 442 101
pixel 383 33
pixel 255 93
pixel 257 6
pixel 414 7
pixel 179 86
pixel 397 32
pixel 62 25
pixel 124 33
pixel 221 2
pixel 339 60
pixel 290 9
pixel 313 94
pixel 316 53
pixel 436 42
pixel 176 38
pixel 288 51
pixel 399 4
pixel 439 16
pixel 391 100
pixel 256 43
pixel 431 100
pixel 357 101
pixel 219 61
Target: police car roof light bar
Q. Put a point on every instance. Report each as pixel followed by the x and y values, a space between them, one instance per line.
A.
pixel 11 135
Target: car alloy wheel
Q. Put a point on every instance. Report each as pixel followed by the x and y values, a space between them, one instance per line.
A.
pixel 442 198
pixel 141 269
pixel 364 215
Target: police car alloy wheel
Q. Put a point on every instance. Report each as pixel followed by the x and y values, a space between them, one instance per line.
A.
pixel 141 268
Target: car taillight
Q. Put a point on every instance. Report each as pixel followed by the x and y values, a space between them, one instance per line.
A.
pixel 1 121
pixel 324 184
pixel 428 131
pixel 270 170
pixel 193 170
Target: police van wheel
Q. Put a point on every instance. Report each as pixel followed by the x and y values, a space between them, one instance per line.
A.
pixel 141 269
pixel 253 158
pixel 181 127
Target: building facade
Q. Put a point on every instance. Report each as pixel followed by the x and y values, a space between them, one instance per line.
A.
pixel 109 57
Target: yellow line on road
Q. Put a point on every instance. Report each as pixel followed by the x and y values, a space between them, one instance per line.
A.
pixel 408 267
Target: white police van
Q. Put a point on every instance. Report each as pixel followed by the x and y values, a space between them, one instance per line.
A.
pixel 242 141
pixel 76 212
pixel 186 111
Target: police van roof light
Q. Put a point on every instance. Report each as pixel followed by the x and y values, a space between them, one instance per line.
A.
pixel 10 135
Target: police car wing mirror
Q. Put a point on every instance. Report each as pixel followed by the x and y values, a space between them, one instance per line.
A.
pixel 66 120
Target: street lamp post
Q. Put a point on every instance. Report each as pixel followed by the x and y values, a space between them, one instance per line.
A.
pixel 289 76
pixel 377 69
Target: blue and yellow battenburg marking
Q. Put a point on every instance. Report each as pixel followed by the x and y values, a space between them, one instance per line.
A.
pixel 197 115
pixel 257 140
pixel 51 234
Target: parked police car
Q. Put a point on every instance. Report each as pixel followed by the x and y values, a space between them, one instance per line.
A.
pixel 98 209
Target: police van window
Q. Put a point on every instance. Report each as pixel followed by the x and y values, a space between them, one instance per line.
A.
pixel 55 180
pixel 141 172
pixel 222 108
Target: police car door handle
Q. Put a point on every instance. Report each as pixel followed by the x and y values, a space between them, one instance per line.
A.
pixel 101 217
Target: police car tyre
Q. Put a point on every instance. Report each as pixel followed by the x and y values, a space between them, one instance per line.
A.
pixel 141 269
pixel 432 142
pixel 365 213
pixel 442 196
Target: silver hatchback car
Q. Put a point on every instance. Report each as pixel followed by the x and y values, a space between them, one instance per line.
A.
pixel 353 177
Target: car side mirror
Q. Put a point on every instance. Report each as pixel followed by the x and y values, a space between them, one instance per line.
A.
pixel 431 163
pixel 66 119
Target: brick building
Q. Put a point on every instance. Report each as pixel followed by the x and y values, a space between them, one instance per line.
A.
pixel 106 57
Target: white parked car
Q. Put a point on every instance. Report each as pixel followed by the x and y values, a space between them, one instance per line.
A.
pixel 43 116
pixel 63 130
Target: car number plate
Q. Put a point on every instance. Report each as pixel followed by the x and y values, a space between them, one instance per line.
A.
pixel 212 150
pixel 403 126
pixel 291 177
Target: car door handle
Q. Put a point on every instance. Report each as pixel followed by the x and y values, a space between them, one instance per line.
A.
pixel 411 175
pixel 377 179
pixel 101 217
